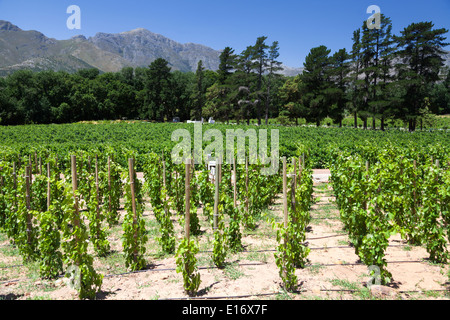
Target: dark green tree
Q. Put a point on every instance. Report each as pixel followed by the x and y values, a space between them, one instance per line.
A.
pixel 90 74
pixel 440 96
pixel 273 66
pixel 8 109
pixel 420 49
pixel 226 65
pixel 243 91
pixel 259 57
pixel 315 83
pixel 183 94
pixel 158 102
pixel 220 95
pixel 354 92
pixel 83 101
pixel 292 105
pixel 340 69
pixel 377 54
pixel 126 75
pixel 199 92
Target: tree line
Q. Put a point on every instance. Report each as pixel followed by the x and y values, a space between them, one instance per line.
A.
pixel 384 76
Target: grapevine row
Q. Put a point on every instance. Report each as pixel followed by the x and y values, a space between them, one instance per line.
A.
pixel 53 214
pixel 392 193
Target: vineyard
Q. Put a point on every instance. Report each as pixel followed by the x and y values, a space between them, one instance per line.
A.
pixel 94 223
pixel 137 139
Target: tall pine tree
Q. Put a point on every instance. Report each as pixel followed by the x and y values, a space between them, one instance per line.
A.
pixel 259 56
pixel 420 51
pixel 315 83
pixel 199 91
pixel 272 67
pixel 339 72
pixel 355 96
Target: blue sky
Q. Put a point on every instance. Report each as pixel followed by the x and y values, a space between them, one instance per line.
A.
pixel 297 25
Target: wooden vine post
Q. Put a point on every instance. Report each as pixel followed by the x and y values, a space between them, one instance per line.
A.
pixel 285 204
pixel 437 180
pixel 74 188
pixel 294 186
pixel 234 182
pixel 246 185
pixel 48 187
pixel 413 209
pixel 15 185
pixel 73 164
pixel 219 166
pixel 177 183
pixel 76 221
pixel 216 198
pixel 187 188
pixel 166 206
pixel 28 178
pixel 89 164
pixel 133 201
pixel 109 184
pixel 285 212
pixel 97 195
pixel 294 162
pixel 35 162
pixel 164 170
pixel 365 192
pixel 192 168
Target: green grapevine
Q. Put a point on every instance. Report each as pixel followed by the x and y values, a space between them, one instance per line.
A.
pixel 134 234
pixel 75 246
pixel 187 265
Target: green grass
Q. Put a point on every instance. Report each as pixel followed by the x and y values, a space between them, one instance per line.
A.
pixel 315 268
pixel 359 291
pixel 9 250
pixel 114 263
pixel 233 271
pixel 283 295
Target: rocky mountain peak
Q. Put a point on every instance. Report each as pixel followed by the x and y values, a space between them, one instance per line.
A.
pixel 79 37
pixel 8 26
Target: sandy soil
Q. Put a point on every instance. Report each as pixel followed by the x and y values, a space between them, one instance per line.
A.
pixel 333 271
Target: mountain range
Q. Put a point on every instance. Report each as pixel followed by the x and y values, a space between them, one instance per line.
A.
pixel 30 49
pixel 20 49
